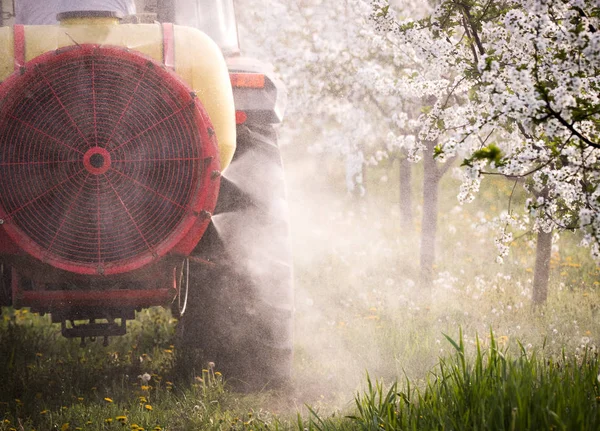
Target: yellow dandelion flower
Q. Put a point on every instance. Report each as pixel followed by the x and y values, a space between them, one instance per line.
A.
pixel 145 387
pixel 143 400
pixel 43 412
pixel 157 428
pixel 218 373
pixel 65 427
pixel 168 351
pixel 108 400
pixel 122 419
pixel 148 407
pixel 88 423
pixel 6 422
pixel 108 420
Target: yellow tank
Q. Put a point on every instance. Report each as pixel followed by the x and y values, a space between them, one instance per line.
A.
pixel 194 56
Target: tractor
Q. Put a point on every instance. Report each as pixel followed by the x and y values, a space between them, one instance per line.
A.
pixel 139 167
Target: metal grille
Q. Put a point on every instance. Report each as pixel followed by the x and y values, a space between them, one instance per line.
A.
pixel 101 159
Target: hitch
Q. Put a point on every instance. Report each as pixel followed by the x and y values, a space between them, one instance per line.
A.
pixel 94 329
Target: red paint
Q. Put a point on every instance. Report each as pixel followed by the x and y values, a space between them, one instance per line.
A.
pixel 19 45
pixel 59 299
pixel 240 117
pixel 97 160
pixel 247 80
pixel 168 46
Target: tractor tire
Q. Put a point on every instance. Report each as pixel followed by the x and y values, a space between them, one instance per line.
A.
pixel 239 308
pixel 5 285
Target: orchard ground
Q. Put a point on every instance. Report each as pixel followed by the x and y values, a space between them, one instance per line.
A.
pixel 359 310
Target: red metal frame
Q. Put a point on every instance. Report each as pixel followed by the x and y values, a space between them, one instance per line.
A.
pixel 168 46
pixel 56 300
pixel 19 45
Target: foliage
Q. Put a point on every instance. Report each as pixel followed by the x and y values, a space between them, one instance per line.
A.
pixel 495 390
pixel 519 88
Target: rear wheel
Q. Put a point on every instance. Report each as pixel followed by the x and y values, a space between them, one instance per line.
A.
pixel 239 311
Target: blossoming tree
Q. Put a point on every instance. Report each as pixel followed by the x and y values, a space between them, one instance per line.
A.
pixel 521 81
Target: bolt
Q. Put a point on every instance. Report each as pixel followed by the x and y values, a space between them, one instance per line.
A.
pixel 215 174
pixel 100 270
pixel 205 214
pixel 1 221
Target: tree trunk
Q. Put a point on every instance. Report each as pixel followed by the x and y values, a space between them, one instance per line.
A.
pixel 431 178
pixel 406 214
pixel 541 274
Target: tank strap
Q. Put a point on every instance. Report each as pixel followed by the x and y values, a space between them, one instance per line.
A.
pixel 19 45
pixel 168 46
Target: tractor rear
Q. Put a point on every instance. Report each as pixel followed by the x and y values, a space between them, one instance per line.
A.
pixel 139 167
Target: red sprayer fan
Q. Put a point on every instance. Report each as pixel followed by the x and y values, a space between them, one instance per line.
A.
pixel 105 160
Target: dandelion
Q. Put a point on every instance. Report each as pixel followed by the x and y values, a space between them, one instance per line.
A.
pixel 44 412
pixel 145 388
pixel 145 378
pixel 143 400
pixel 65 427
pixel 108 420
pixel 148 407
pixel 108 400
pixel 218 373
pixel 211 365
pixel 121 419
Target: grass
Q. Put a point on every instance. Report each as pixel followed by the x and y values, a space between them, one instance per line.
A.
pixel 493 390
